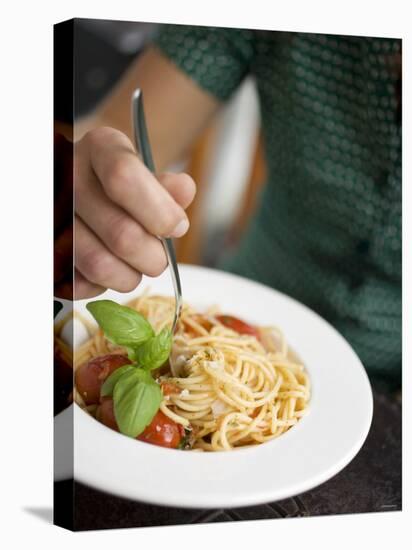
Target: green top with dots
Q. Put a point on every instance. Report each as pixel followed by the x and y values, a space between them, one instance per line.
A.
pixel 327 230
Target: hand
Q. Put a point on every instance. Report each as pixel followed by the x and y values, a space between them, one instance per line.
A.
pixel 120 210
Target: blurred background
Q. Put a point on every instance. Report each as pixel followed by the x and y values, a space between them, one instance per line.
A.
pixel 226 162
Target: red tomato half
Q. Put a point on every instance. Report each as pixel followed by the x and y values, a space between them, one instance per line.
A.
pixel 163 431
pixel 106 413
pixel 238 325
pixel 90 376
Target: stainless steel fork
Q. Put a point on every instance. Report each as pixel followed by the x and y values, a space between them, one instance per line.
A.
pixel 142 144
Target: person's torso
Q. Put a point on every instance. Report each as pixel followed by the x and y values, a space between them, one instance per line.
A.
pixel 328 226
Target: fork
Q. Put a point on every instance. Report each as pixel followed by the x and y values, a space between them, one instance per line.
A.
pixel 142 145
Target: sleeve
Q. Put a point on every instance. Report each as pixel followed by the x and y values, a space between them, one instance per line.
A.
pixel 217 59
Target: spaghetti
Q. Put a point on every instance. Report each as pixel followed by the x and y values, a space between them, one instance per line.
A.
pixel 227 389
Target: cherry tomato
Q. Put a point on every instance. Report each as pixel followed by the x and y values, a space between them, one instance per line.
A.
pixel 106 413
pixel 168 388
pixel 163 431
pixel 90 376
pixel 238 325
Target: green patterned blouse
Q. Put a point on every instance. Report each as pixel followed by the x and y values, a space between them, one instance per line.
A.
pixel 327 230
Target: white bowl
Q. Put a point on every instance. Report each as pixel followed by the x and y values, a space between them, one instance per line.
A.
pixel 319 446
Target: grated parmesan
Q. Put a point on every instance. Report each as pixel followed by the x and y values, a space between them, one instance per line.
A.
pixel 213 364
pixel 218 407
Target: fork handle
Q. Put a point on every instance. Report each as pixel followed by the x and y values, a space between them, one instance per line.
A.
pixel 142 144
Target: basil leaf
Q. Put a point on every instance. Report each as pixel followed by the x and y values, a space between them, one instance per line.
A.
pixel 131 354
pixel 121 325
pixel 183 443
pixel 110 382
pixel 136 399
pixel 155 351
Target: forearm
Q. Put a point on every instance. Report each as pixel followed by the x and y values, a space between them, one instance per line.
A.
pixel 177 110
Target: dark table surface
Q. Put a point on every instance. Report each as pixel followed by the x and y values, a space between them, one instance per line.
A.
pixel 372 482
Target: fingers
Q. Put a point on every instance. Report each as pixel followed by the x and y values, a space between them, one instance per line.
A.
pixel 129 184
pixel 120 233
pixel 98 265
pixel 121 210
pixel 84 288
pixel 180 186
